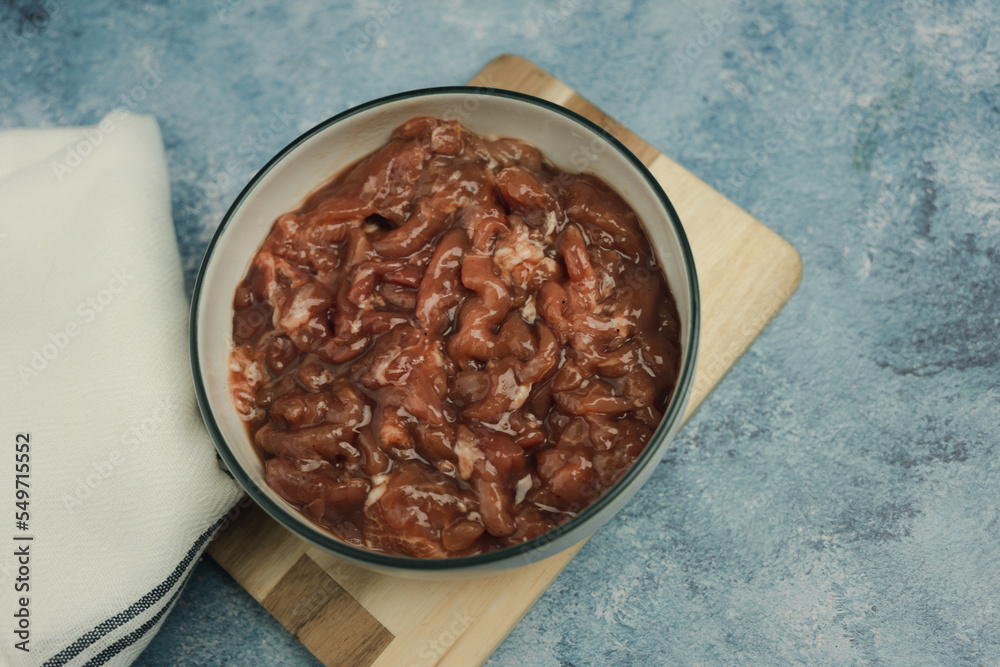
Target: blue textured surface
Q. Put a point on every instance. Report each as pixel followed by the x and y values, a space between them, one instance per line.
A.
pixel 835 500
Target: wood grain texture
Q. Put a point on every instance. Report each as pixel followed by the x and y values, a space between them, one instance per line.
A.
pixel 325 617
pixel 746 274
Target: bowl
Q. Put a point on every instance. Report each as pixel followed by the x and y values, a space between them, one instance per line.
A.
pixel 566 139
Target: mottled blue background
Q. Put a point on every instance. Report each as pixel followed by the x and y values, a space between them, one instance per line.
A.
pixel 835 500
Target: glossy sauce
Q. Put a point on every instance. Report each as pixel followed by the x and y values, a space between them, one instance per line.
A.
pixel 453 346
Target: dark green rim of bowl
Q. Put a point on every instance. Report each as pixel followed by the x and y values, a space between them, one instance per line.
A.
pixel 317 535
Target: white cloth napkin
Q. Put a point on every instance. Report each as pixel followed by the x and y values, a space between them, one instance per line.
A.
pixel 124 491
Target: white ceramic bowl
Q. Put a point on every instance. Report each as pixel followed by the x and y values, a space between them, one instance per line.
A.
pixel 566 139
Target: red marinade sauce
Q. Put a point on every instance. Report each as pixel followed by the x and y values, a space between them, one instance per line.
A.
pixel 453 346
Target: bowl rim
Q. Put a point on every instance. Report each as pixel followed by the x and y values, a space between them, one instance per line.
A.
pixel 315 534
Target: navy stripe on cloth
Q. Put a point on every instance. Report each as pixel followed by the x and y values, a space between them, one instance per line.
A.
pixel 137 634
pixel 144 603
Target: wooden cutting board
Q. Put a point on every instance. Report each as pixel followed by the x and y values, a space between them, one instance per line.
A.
pixel 349 616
